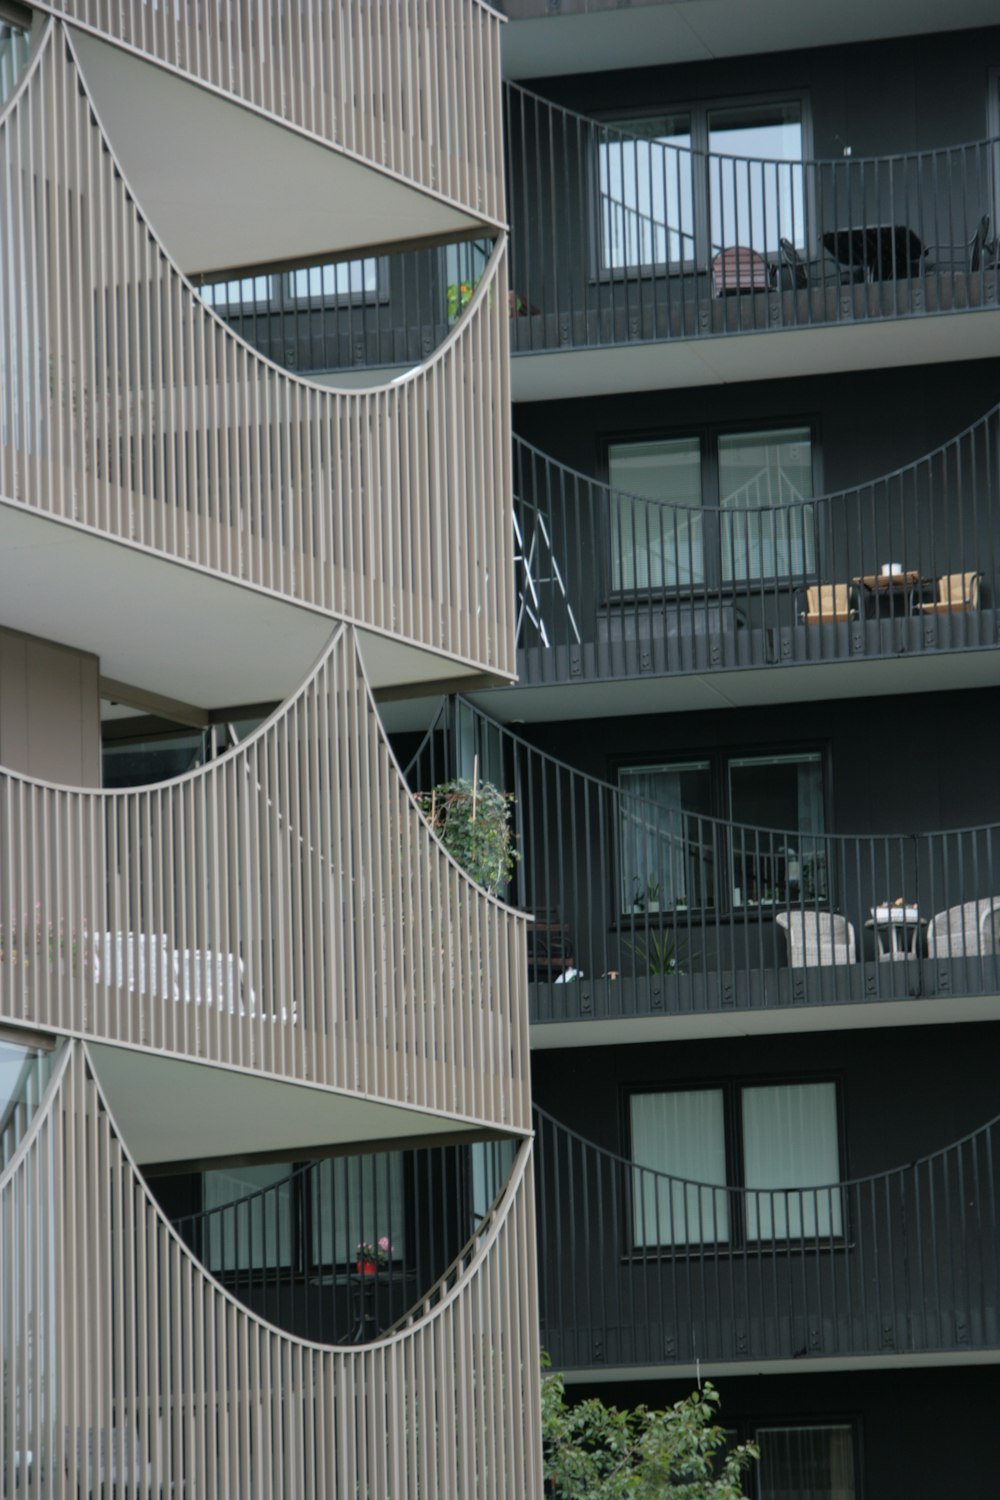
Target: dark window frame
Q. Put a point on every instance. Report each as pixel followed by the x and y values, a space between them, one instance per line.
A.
pixel 739 1243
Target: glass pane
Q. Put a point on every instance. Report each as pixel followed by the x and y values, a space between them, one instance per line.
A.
pixel 790 1141
pixel 770 797
pixel 348 278
pixel 256 1233
pixel 358 1200
pixel 799 1461
pixel 656 540
pixel 490 1162
pixel 765 478
pixel 666 855
pixel 151 761
pixel 756 178
pixel 247 290
pixel 646 198
pixel 682 1134
pixel 24 1072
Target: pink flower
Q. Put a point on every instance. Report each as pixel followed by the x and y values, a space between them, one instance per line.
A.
pixel 385 1244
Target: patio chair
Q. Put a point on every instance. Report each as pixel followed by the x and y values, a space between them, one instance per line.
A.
pixel 965 931
pixel 970 255
pixel 740 269
pixel 817 939
pixel 799 271
pixel 828 601
pixel 958 594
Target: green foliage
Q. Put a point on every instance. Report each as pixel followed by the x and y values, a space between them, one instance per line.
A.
pixel 656 952
pixel 596 1452
pixel 459 295
pixel 473 824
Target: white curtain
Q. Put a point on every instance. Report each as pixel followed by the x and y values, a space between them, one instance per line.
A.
pixel 251 1234
pixel 357 1198
pixel 653 846
pixel 682 1134
pixel 817 1462
pixel 790 1145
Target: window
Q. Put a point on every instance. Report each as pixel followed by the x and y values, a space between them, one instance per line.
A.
pixel 665 860
pixel 781 1142
pixel 817 1461
pixel 669 838
pixel 346 281
pixel 716 509
pixel 236 294
pixel 699 178
pixel 770 795
pixel 360 1198
pixel 259 1232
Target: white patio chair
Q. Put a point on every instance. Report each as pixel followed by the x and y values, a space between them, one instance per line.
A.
pixel 965 931
pixel 817 938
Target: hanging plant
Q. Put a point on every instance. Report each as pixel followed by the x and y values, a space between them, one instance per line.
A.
pixel 472 820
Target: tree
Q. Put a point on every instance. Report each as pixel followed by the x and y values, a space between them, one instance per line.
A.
pixel 596 1452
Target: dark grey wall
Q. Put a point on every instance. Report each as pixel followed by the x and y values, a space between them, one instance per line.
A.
pixel 868 422
pixel 904 764
pixel 907 94
pixel 908 1419
pixel 907 1091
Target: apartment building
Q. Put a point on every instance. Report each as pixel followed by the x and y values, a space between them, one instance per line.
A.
pixel 266 1182
pixel 753 740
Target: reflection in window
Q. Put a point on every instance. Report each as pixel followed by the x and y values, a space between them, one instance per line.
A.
pixel 666 851
pixel 797 1461
pixel 764 480
pixel 346 279
pixel 358 1199
pixel 646 200
pixel 759 201
pixel 150 761
pixel 256 1231
pixel 682 1134
pixel 770 797
pixel 790 1141
pixel 656 545
pixel 244 291
pixel 24 1071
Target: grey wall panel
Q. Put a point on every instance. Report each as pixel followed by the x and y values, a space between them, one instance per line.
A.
pixel 49 710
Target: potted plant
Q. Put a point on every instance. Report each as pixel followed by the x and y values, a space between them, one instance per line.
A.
pixel 370 1258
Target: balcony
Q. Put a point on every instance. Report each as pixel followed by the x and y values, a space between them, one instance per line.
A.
pixel 886 577
pixel 393 113
pixel 283 912
pixel 622 242
pixel 652 921
pixel 133 413
pixel 683 1274
pixel 153 1378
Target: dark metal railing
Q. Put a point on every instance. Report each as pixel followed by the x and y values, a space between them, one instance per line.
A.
pixel 617 238
pixel 640 1268
pixel 644 909
pixel 340 1250
pixel 384 310
pixel 611 583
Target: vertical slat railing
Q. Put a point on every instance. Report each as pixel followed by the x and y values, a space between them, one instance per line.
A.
pixel 285 908
pixel 411 88
pixel 131 409
pixel 128 1367
pixel 618 238
pixel 672 1272
pixel 614 583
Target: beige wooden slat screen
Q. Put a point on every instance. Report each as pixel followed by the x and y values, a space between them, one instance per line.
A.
pixel 284 909
pixel 126 1365
pixel 409 86
pixel 129 408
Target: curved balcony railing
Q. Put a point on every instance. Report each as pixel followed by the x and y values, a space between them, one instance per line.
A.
pixel 617 238
pixel 414 89
pixel 615 584
pixel 342 1250
pixel 285 909
pixel 128 1368
pixel 640 1268
pixel 643 909
pixel 129 408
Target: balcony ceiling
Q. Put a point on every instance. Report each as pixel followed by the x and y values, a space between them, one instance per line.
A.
pixel 600 35
pixel 171 629
pixel 743 688
pixel 724 359
pixel 224 188
pixel 181 1111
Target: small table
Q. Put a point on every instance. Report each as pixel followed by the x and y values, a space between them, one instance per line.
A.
pixel 884 251
pixel 881 592
pixel 897 931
